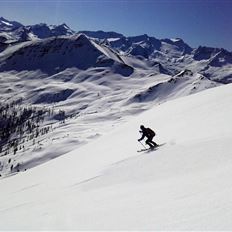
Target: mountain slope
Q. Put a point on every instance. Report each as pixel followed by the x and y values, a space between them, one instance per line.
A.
pixel 53 55
pixel 7 25
pixel 43 31
pixel 174 55
pixel 101 34
pixel 171 55
pixel 185 184
pixel 14 32
pixel 183 84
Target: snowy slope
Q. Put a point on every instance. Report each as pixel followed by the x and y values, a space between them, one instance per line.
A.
pixel 94 100
pixel 182 84
pixel 55 54
pixel 106 184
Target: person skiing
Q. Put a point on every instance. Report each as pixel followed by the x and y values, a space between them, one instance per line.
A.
pixel 150 134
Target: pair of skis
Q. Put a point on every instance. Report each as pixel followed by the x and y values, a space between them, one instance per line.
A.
pixel 150 148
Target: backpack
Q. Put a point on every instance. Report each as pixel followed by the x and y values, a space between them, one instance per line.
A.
pixel 150 132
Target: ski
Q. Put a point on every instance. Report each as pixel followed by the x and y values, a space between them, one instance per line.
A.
pixel 151 149
pixel 147 149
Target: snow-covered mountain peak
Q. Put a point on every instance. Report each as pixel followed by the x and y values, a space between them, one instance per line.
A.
pixel 205 53
pixel 222 57
pixel 55 54
pixel 5 22
pixel 14 32
pixel 7 25
pixel 64 26
pixel 81 38
pixel 176 40
pixel 102 34
pixel 139 38
pixel 151 47
pixel 62 29
pixel 178 44
pixel 42 30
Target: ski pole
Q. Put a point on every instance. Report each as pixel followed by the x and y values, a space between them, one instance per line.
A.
pixel 142 145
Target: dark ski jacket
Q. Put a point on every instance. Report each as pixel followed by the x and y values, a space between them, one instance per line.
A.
pixel 147 132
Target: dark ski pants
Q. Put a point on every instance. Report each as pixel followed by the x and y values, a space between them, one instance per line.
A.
pixel 150 142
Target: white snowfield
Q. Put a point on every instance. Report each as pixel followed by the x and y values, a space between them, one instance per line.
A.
pixel 106 185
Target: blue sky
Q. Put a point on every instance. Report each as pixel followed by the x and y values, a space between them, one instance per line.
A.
pixel 198 22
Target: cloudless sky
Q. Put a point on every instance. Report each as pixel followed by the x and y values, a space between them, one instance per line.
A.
pixel 197 22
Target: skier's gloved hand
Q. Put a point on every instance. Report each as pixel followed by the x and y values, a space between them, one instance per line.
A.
pixel 139 140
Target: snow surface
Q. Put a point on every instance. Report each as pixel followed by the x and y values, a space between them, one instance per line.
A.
pixel 107 185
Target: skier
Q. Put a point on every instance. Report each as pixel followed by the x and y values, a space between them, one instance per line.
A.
pixel 150 134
